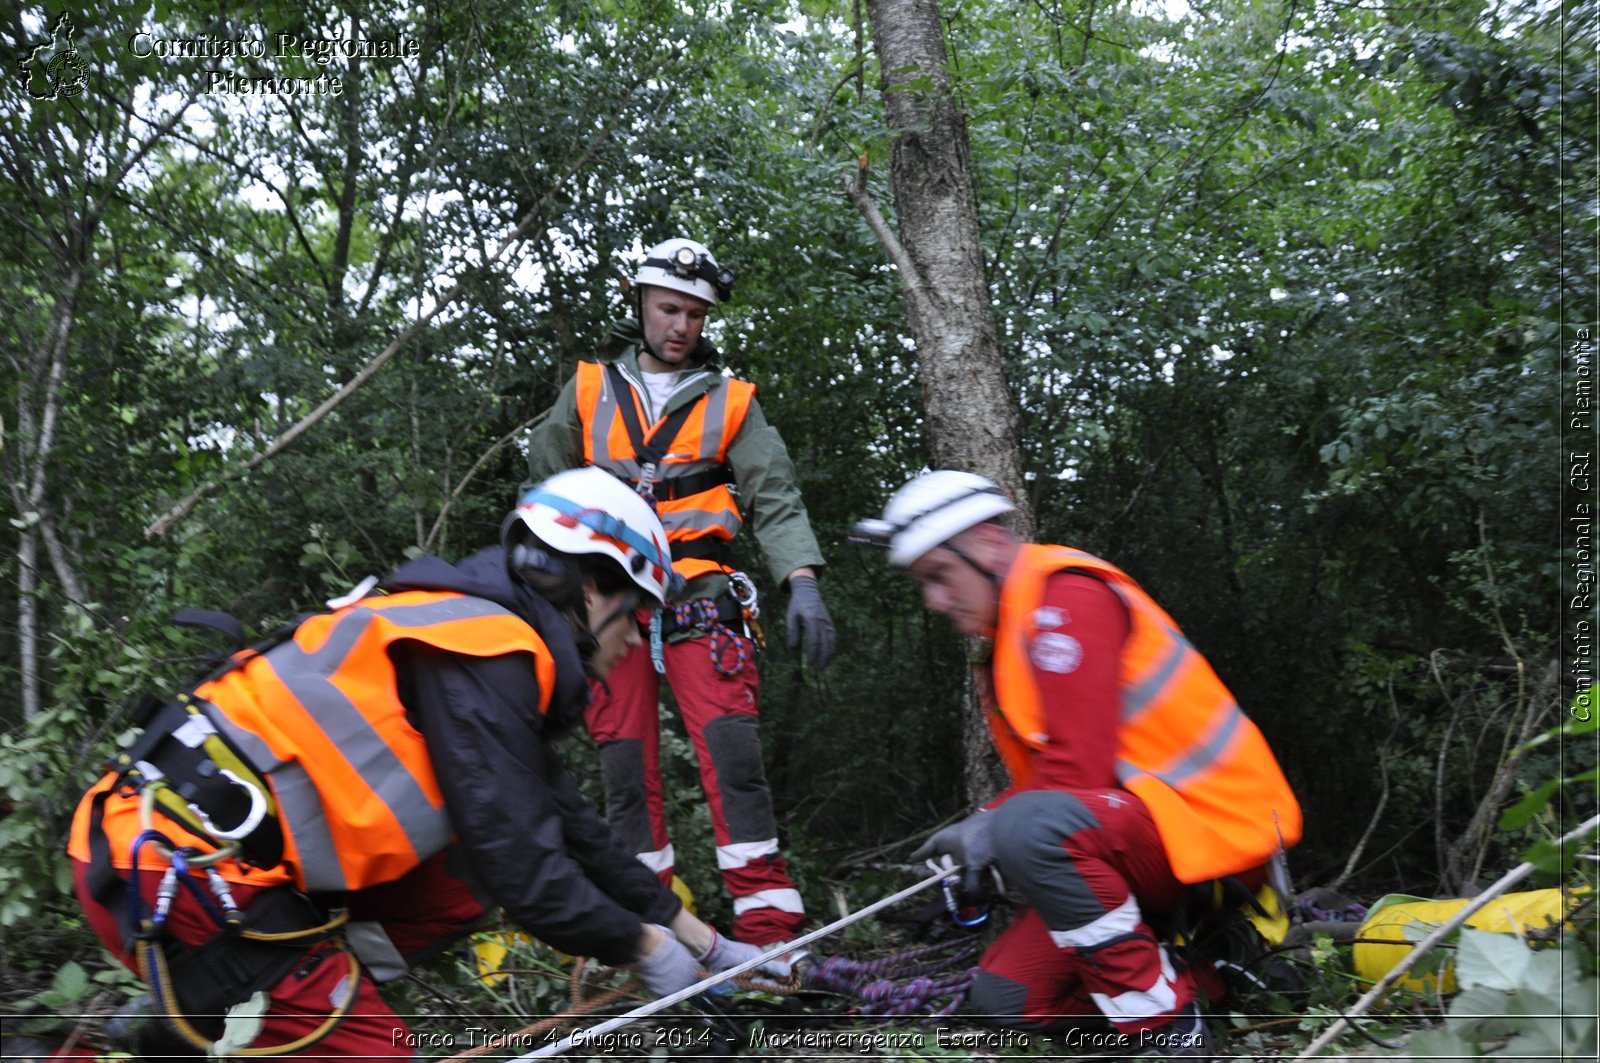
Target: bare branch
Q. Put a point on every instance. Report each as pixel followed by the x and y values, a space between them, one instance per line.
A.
pixel 464 282
pixel 483 459
pixel 855 190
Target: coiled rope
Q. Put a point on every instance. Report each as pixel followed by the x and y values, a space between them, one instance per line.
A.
pixel 702 613
pixel 907 983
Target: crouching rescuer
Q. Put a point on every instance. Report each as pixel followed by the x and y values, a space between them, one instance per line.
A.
pixel 1134 775
pixel 351 796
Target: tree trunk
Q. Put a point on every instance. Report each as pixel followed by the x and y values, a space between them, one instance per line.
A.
pixel 972 415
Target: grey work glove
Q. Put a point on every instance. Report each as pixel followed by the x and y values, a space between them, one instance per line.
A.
pixel 725 953
pixel 668 967
pixel 969 844
pixel 807 611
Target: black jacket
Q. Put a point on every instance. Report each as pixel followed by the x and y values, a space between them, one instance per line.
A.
pixel 535 845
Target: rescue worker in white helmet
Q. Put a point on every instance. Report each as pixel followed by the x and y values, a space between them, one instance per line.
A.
pixel 375 781
pixel 658 411
pixel 1133 773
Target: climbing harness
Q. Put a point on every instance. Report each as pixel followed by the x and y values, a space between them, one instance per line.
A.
pixel 778 951
pixel 209 973
pixel 183 767
pixel 715 616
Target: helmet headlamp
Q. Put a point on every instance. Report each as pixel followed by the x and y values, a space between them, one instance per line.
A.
pixel 873 532
pixel 687 265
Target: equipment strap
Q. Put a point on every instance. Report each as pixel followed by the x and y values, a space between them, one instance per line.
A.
pixel 648 453
pixel 692 484
pixel 728 612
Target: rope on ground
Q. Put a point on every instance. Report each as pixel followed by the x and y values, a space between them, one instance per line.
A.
pixel 581 1006
pixel 732 972
pixel 903 984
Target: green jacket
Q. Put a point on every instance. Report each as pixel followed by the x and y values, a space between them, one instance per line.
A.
pixel 764 477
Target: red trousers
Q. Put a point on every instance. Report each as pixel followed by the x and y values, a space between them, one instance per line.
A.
pixel 416 914
pixel 1091 868
pixel 720 715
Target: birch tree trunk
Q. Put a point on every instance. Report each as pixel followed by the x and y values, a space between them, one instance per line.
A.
pixel 971 413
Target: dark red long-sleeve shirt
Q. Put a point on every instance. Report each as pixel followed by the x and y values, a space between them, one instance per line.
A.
pixel 1075 648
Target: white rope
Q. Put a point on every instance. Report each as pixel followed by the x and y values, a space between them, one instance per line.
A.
pixel 722 976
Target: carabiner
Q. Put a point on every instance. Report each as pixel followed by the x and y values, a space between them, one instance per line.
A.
pixel 252 819
pixel 948 885
pixel 743 589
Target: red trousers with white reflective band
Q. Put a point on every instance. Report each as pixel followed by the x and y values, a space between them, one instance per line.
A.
pixel 720 714
pixel 1090 866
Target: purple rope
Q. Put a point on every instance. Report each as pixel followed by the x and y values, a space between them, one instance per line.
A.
pixel 901 984
pixel 1350 913
pixel 702 613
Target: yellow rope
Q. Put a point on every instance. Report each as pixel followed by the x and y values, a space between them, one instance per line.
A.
pixel 153 968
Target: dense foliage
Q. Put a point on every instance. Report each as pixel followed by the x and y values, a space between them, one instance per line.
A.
pixel 1283 289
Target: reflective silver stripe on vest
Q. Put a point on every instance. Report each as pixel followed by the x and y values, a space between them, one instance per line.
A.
pixel 1199 758
pixel 700 520
pixel 605 415
pixel 716 414
pixel 306 676
pixel 1138 698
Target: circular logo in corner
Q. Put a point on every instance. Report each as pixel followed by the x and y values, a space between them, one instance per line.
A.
pixel 55 69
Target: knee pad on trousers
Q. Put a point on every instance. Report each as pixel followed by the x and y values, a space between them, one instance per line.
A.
pixel 622 769
pixel 734 742
pixel 997 998
pixel 1029 832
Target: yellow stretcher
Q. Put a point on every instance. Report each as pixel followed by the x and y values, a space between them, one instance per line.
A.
pixel 1382 941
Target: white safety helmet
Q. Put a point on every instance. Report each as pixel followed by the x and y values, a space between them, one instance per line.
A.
pixel 929 511
pixel 685 266
pixel 589 511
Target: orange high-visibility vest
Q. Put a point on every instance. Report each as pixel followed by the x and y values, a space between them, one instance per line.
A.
pixel 319 715
pixel 701 446
pixel 1213 787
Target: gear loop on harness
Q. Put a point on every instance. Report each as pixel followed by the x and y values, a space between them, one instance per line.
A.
pixel 702 613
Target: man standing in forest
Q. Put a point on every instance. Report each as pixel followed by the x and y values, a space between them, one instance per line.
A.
pixel 661 416
pixel 1134 775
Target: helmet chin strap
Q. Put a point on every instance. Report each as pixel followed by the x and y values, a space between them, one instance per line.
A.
pixel 993 579
pixel 589 637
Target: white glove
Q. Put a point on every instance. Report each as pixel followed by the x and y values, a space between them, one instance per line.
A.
pixel 668 967
pixel 726 953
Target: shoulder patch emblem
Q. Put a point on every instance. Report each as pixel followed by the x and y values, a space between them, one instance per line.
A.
pixel 1048 616
pixel 1055 652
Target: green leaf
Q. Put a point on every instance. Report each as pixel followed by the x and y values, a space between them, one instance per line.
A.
pixel 71 983
pixel 1517 816
pixel 1490 960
